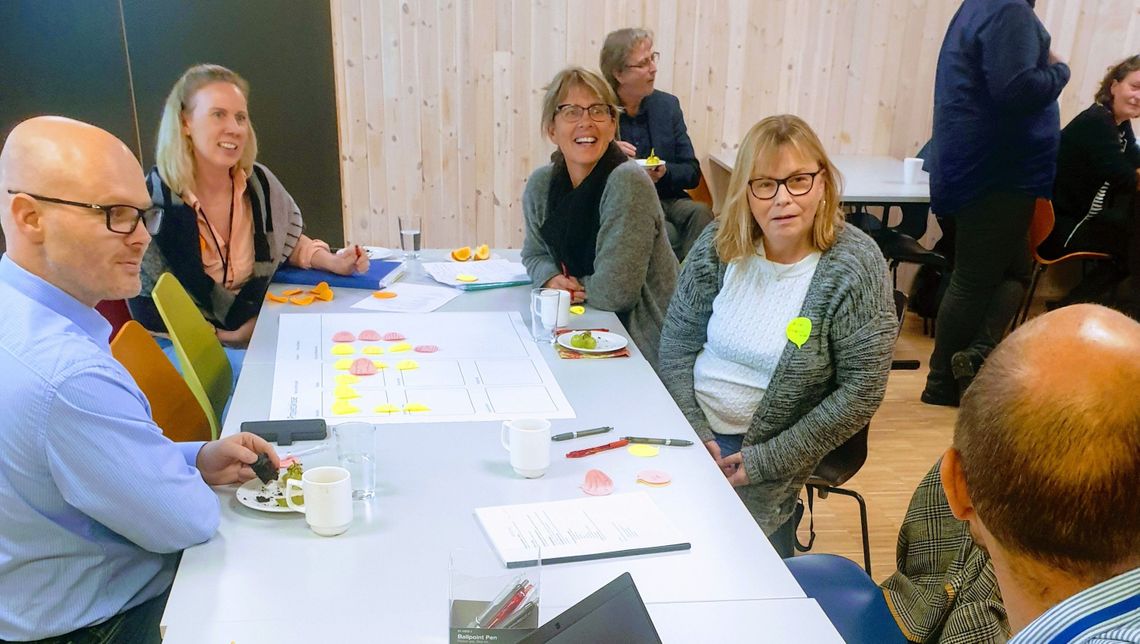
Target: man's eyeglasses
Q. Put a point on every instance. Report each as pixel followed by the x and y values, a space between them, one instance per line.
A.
pixel 571 113
pixel 121 218
pixel 645 62
pixel 798 185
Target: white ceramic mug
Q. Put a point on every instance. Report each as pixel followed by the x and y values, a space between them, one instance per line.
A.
pixel 911 168
pixel 528 441
pixel 544 313
pixel 328 499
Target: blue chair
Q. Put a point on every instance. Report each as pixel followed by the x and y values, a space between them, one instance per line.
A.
pixel 849 598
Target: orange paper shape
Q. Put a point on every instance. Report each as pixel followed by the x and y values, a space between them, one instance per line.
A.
pixel 325 296
pixel 344 336
pixel 394 336
pixel 280 299
pixel 362 367
pixel 291 291
pixel 321 286
pixel 654 477
pixel 383 295
pixel 301 300
pixel 368 335
pixel 597 483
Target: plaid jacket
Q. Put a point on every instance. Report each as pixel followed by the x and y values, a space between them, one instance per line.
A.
pixel 944 589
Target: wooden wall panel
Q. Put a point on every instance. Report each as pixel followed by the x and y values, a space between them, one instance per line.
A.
pixel 438 102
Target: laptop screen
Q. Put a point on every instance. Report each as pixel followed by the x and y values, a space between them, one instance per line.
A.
pixel 613 613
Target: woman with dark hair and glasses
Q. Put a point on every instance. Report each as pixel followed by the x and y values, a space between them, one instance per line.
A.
pixel 1094 196
pixel 651 122
pixel 593 223
pixel 778 340
pixel 228 222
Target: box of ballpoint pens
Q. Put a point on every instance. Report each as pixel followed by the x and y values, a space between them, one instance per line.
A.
pixel 491 603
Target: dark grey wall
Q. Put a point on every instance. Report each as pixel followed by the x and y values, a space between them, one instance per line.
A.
pixel 68 57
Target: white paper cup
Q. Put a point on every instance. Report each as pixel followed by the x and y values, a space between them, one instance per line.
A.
pixel 563 309
pixel 911 168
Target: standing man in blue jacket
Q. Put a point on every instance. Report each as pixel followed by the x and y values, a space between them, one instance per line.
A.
pixel 994 152
pixel 652 122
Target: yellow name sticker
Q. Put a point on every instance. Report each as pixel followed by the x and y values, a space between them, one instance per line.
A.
pixel 799 329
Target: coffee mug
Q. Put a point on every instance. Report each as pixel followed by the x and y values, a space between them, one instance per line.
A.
pixel 544 313
pixel 563 309
pixel 528 441
pixel 328 499
pixel 911 168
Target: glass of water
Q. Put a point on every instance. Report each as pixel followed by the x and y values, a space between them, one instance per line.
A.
pixel 356 451
pixel 410 235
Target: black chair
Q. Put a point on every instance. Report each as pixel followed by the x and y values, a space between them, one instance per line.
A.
pixel 838 466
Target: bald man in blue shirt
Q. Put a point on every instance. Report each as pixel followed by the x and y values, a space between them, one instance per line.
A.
pixel 95 502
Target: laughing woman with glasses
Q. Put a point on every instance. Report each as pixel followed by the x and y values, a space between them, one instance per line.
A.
pixel 228 222
pixel 593 223
pixel 778 340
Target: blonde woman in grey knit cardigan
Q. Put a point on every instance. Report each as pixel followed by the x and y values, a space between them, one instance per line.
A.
pixel 594 225
pixel 777 343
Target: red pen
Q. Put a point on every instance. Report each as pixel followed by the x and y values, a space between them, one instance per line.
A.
pixel 594 450
pixel 510 606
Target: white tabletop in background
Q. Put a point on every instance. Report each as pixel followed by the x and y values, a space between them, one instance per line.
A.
pixel 773 620
pixel 866 178
pixel 391 567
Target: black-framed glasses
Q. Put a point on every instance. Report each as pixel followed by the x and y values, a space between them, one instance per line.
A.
pixel 571 113
pixel 121 218
pixel 645 62
pixel 798 184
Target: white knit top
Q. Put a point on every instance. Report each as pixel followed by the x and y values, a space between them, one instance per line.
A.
pixel 747 334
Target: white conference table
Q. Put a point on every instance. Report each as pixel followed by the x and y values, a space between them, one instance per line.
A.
pixel 866 179
pixel 388 574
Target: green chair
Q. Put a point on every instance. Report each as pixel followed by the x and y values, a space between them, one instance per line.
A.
pixel 204 364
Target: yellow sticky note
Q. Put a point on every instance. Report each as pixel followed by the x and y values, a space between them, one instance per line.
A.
pixel 415 407
pixel 343 350
pixel 343 364
pixel 373 350
pixel 799 329
pixel 405 365
pixel 347 379
pixel 379 364
pixel 464 277
pixel 643 450
pixel 577 309
pixel 343 407
pixel 399 346
pixel 344 392
pixel 386 409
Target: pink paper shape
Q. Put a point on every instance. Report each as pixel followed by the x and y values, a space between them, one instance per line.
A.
pixel 362 367
pixel 368 335
pixel 597 483
pixel 344 336
pixel 426 348
pixel 656 477
pixel 394 336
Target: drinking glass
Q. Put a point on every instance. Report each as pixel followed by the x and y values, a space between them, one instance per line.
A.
pixel 356 451
pixel 410 235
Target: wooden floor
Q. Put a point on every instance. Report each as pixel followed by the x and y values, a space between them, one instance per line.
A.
pixel 906 439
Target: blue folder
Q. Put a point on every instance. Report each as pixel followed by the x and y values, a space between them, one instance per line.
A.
pixel 311 276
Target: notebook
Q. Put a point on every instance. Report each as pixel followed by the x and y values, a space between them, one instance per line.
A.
pixel 377 270
pixel 613 613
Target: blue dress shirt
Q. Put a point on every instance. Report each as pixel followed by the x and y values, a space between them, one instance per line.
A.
pixel 95 503
pixel 1107 613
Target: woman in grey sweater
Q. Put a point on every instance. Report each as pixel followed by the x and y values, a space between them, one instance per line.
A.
pixel 594 225
pixel 778 341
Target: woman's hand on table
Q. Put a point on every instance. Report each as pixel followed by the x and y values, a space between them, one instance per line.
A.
pixel 239 337
pixel 568 283
pixel 227 460
pixel 346 261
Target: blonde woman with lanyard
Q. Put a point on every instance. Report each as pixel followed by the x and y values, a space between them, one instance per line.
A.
pixel 229 223
pixel 778 340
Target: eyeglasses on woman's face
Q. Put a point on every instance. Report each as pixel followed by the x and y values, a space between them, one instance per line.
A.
pixel 798 184
pixel 571 113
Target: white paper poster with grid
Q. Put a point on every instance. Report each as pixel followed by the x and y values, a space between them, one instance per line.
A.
pixel 484 366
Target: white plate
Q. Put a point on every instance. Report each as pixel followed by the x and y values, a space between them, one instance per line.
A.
pixel 379 252
pixel 249 491
pixel 645 163
pixel 606 342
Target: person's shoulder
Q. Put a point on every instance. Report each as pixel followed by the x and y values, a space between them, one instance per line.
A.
pixel 854 245
pixel 539 180
pixel 664 100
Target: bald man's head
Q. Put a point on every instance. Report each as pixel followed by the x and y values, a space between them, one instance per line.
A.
pixel 71 246
pixel 1049 440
